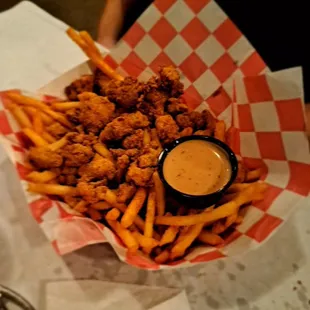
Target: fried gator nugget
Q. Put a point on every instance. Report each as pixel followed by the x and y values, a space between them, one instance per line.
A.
pixel 84 84
pixel 167 128
pixel 139 176
pixel 43 158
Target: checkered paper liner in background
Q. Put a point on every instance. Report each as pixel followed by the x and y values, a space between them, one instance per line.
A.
pixel 266 111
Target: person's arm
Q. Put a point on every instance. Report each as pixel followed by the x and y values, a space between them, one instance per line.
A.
pixel 118 16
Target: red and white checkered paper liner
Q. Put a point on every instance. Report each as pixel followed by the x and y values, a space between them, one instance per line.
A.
pixel 222 72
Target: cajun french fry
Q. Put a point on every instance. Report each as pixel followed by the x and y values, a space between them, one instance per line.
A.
pixel 94 214
pixel 134 207
pixel 163 257
pixel 218 227
pixel 125 235
pixel 41 177
pixel 240 178
pixel 101 205
pixel 58 144
pixel 253 175
pixel 150 214
pixel 182 245
pixel 209 238
pixel 20 99
pixel 237 187
pixel 113 214
pixel 34 137
pixel 37 123
pixel 90 42
pixel 145 242
pixel 101 149
pixel 20 116
pixel 48 137
pixel 94 56
pixel 81 206
pixel 51 189
pixel 146 137
pixel 227 198
pixel 231 219
pixel 169 235
pixel 220 129
pixel 160 194
pixel 64 106
pixel 223 211
pixel 31 111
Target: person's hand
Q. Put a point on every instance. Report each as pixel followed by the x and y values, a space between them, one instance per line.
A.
pixel 111 22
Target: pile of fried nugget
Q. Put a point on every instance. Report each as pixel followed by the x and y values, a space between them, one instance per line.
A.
pixel 98 152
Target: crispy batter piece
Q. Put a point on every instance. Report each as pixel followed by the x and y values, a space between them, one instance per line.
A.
pixel 134 141
pixel 84 84
pixel 99 168
pixel 56 130
pixel 139 176
pixel 149 158
pixel 176 106
pixel 125 192
pixel 167 129
pixel 43 158
pixel 123 126
pixel 124 93
pixel 122 163
pixel 90 192
pixel 95 112
pixel 170 81
pixel 81 138
pixel 76 154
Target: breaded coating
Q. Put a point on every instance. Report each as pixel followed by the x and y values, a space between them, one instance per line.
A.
pixel 43 158
pixel 84 84
pixel 125 192
pixel 206 132
pixel 139 176
pixel 123 126
pixel 73 115
pixel 194 119
pixel 122 163
pixel 71 201
pixel 184 121
pixel 95 112
pixel 90 192
pixel 167 129
pixel 149 158
pixel 176 106
pixel 134 141
pixel 132 153
pixel 209 119
pixel 170 81
pixel 81 138
pixel 56 130
pixel 99 168
pixel 76 154
pixel 186 132
pixel 124 93
pixel 67 176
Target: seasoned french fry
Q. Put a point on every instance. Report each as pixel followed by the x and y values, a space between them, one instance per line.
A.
pixel 94 214
pixel 223 211
pixel 58 144
pixel 145 242
pixel 237 187
pixel 101 149
pixel 41 177
pixel 209 238
pixel 160 194
pixel 41 106
pixel 163 257
pixel 218 227
pixel 81 206
pixel 155 139
pixel 90 42
pixel 220 129
pixel 20 116
pixel 93 54
pixel 254 175
pixel 48 137
pixel 101 205
pixel 146 137
pixel 34 137
pixel 125 235
pixel 169 235
pixel 64 106
pixel 31 111
pixel 51 189
pixel 37 123
pixel 134 207
pixel 227 198
pixel 181 246
pixel 240 178
pixel 231 219
pixel 113 214
pixel 150 214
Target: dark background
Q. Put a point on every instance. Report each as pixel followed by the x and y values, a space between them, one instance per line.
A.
pixel 277 29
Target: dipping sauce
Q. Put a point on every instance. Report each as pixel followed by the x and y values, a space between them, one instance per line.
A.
pixel 197 167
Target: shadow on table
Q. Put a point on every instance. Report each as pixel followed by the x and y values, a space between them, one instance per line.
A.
pixel 219 284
